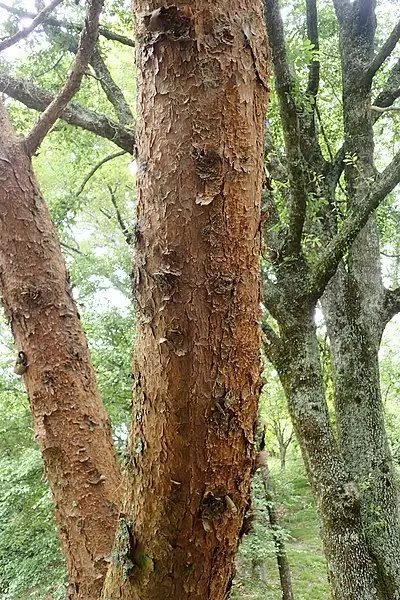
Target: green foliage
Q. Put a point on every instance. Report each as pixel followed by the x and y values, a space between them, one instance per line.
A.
pixel 31 564
pixel 299 527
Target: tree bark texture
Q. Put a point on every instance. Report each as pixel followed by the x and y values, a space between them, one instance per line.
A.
pixel 202 97
pixel 351 570
pixel 71 426
pixel 355 337
pixel 353 307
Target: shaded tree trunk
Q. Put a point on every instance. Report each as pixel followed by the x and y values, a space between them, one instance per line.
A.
pixel 358 301
pixel 354 307
pixel 360 420
pixel 71 426
pixel 351 570
pixel 280 548
pixel 202 99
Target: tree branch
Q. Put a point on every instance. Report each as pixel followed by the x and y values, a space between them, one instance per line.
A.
pixel 95 168
pixel 290 125
pixel 384 100
pixel 391 90
pixel 111 89
pixel 383 53
pixel 391 305
pixel 389 255
pixel 103 31
pixel 75 114
pixel 312 32
pixel 23 33
pixel 272 343
pixel 87 42
pixel 71 248
pixel 387 109
pixel 128 235
pixel 327 264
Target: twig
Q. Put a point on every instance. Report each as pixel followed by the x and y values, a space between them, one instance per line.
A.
pixel 128 235
pixel 95 168
pixel 389 255
pixel 68 247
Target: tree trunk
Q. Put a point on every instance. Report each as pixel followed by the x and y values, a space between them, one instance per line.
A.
pixel 70 423
pixel 355 321
pixel 202 100
pixel 350 569
pixel 360 420
pixel 280 549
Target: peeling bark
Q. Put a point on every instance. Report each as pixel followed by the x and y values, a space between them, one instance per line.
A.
pixel 202 100
pixel 71 426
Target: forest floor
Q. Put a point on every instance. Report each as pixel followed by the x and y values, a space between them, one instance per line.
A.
pixel 257 572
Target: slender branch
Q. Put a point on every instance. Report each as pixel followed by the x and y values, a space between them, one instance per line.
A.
pixel 328 262
pixel 312 32
pixel 116 37
pixel 128 235
pixel 74 114
pixel 103 31
pixel 391 89
pixel 384 52
pixel 95 168
pixel 324 136
pixel 389 255
pixel 290 124
pixel 53 111
pixel 72 248
pixel 379 109
pixel 391 305
pixel 111 89
pixel 23 33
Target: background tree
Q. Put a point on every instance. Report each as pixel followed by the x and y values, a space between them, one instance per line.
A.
pixel 312 207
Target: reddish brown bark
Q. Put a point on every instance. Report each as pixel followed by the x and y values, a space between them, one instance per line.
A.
pixel 202 95
pixel 71 425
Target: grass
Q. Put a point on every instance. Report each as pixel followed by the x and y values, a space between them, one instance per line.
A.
pixel 257 572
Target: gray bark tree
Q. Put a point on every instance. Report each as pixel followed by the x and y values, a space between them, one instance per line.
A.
pixel 351 474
